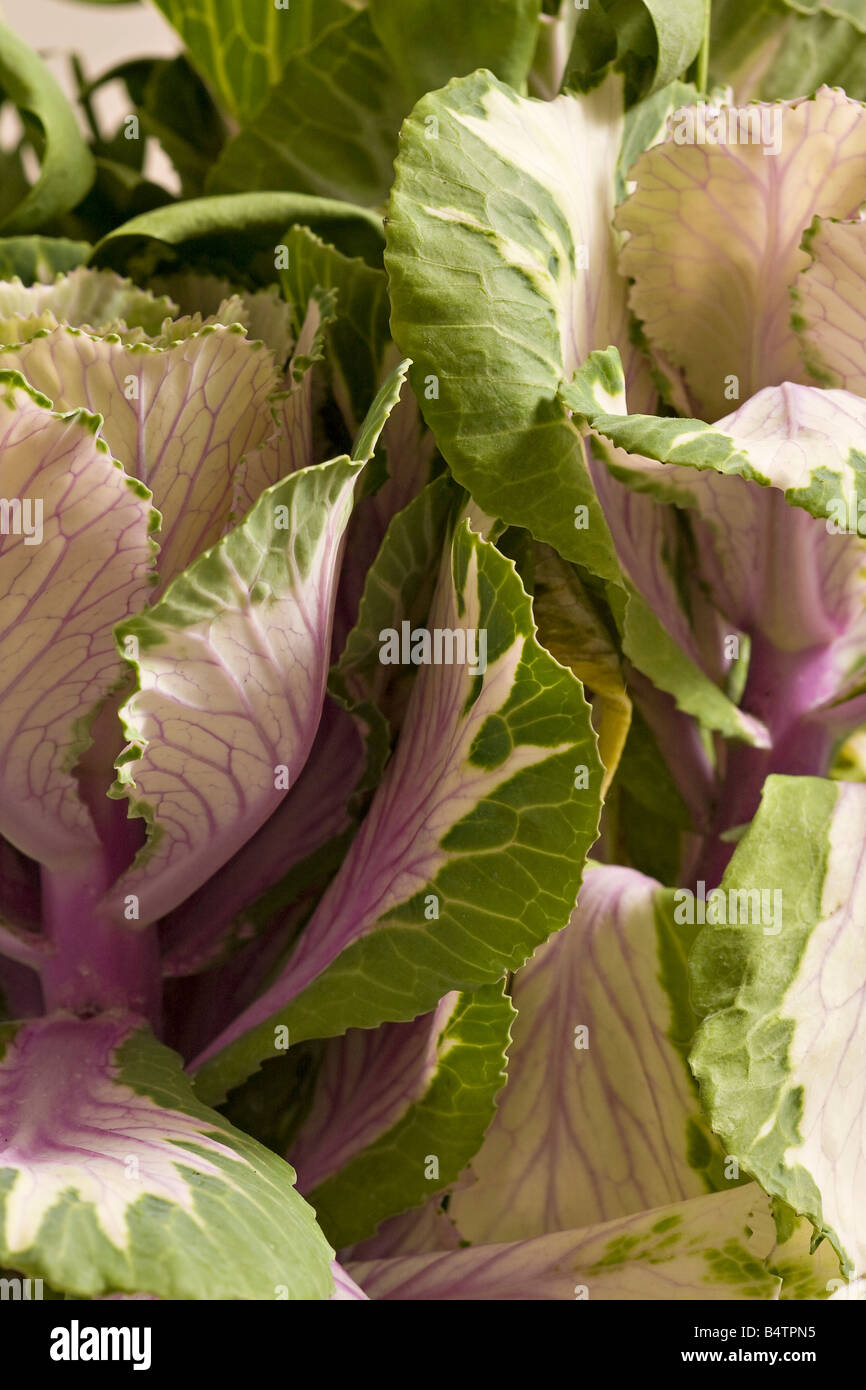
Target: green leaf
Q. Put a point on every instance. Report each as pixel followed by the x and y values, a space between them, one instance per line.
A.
pixel 679 30
pixel 572 630
pixel 757 444
pixel 379 413
pixel 233 229
pixel 329 126
pixel 773 50
pixel 141 1189
pixel 242 47
pixel 431 41
pixel 39 258
pixel 67 168
pixel 490 296
pixel 14 183
pixel 178 110
pixel 647 631
pixel 646 125
pixel 780 976
pixel 647 643
pixel 446 1121
pixel 120 193
pixel 651 815
pixel 359 335
pixel 515 786
pixel 399 586
pixel 651 41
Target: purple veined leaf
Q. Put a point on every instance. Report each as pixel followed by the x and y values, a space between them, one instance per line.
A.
pixel 808 611
pixel 98 300
pixel 456 812
pixel 77 560
pixel 420 1231
pixel 769 492
pixel 115 1179
pixel 306 838
pixel 720 1246
pixel 367 1080
pixel 599 1118
pixel 714 232
pixel 790 434
pixel 291 447
pixel 237 901
pixel 668 631
pixel 231 674
pixel 231 668
pixel 345 1288
pixel 308 834
pixel 398 1110
pixel 101 302
pixel 202 928
pixel 264 314
pixel 827 302
pixel 178 418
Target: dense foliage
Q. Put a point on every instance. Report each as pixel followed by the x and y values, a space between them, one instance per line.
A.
pixel 433 655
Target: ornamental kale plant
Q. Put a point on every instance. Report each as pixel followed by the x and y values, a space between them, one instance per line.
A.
pixel 432 754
